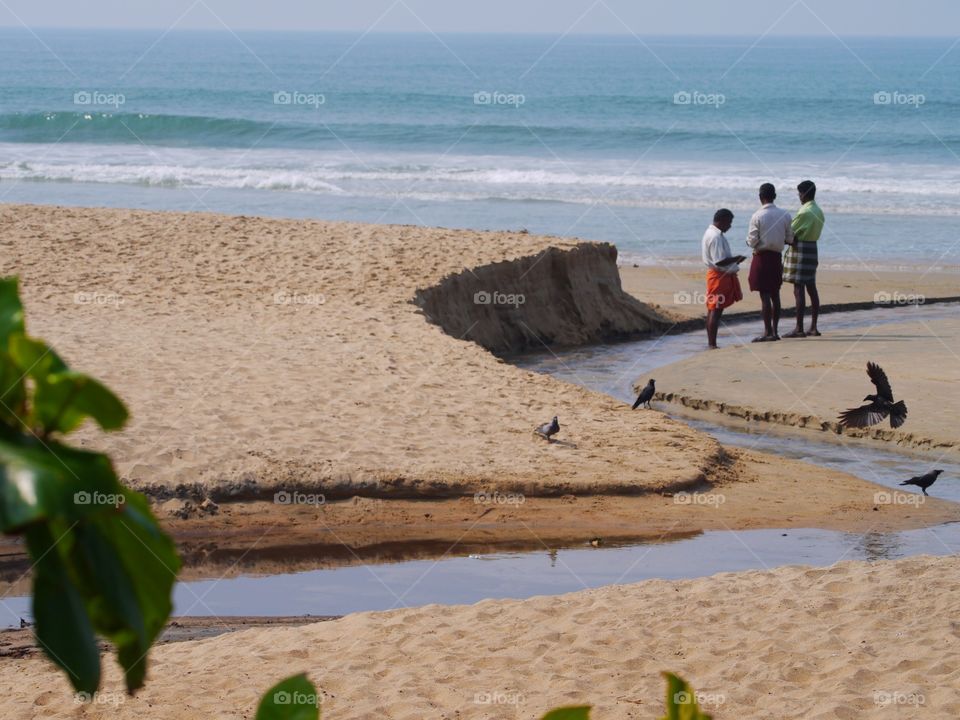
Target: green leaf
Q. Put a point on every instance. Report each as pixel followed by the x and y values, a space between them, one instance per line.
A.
pixel 62 627
pixel 71 397
pixel 102 565
pixel 116 567
pixel 39 481
pixel 13 392
pixel 682 700
pixel 63 399
pixel 140 562
pixel 111 572
pixel 576 712
pixel 11 309
pixel 292 699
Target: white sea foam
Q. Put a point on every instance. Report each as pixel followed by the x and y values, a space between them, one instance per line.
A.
pixel 862 188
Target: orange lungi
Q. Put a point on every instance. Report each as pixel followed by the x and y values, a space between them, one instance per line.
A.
pixel 723 289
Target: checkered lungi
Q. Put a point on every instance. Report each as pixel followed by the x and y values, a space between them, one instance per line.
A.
pixel 800 263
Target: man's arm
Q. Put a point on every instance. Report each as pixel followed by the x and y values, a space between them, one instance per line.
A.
pixel 800 224
pixel 788 231
pixel 753 234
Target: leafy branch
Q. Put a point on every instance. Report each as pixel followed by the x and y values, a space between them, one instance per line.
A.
pixel 101 563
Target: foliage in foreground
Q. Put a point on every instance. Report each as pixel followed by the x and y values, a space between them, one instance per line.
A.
pixel 296 699
pixel 101 564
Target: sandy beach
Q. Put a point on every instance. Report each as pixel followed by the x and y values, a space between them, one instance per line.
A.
pixel 805 383
pixel 359 362
pixel 852 640
pixel 292 355
pixel 678 290
pixel 260 356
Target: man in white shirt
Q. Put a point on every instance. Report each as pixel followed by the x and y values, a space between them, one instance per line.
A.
pixel 723 287
pixel 769 232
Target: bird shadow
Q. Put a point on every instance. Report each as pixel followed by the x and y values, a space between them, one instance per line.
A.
pixel 564 443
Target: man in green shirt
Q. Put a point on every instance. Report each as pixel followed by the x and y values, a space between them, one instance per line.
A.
pixel 800 262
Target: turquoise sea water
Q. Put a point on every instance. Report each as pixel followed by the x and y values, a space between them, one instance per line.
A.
pixel 632 140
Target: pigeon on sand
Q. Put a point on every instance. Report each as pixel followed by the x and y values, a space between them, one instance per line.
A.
pixel 548 430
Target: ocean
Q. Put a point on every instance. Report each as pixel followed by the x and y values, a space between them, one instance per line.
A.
pixel 617 138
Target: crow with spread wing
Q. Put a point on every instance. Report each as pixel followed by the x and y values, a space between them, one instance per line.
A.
pixel 881 404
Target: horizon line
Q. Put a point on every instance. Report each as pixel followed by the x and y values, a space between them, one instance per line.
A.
pixel 619 34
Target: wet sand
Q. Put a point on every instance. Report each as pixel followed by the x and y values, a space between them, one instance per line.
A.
pixel 805 383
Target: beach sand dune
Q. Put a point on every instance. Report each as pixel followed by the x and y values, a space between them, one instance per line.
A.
pixel 260 355
pixel 850 641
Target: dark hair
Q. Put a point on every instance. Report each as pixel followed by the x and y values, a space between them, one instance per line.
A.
pixel 807 190
pixel 768 192
pixel 722 214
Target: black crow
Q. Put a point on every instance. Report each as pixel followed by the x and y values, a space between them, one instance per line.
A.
pixel 645 396
pixel 924 481
pixel 881 404
pixel 548 429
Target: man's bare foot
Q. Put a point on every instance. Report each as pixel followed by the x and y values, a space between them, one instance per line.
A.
pixel 713 347
pixel 813 332
pixel 796 334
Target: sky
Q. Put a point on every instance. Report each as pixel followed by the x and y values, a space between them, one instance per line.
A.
pixel 640 17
